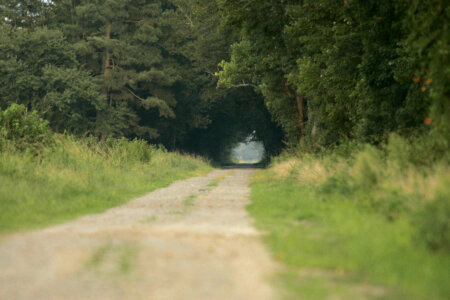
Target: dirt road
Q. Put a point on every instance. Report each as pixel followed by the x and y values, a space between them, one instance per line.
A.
pixel 192 240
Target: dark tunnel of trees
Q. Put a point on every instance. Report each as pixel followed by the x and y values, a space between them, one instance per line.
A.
pixel 233 120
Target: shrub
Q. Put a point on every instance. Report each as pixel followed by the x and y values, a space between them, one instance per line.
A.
pixel 433 223
pixel 430 148
pixel 368 168
pixel 398 152
pixel 23 130
pixel 123 150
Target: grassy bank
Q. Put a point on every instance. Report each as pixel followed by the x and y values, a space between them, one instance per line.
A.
pixel 72 177
pixel 359 224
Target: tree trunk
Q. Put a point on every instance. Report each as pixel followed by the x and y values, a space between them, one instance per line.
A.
pixel 299 100
pixel 107 63
pixel 300 113
pixel 71 12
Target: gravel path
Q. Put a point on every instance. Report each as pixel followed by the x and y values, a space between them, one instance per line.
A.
pixel 191 240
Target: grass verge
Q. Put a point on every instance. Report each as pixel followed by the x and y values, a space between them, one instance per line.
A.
pixel 74 177
pixel 354 228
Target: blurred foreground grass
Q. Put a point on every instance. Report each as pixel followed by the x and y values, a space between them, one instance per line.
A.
pixel 73 177
pixel 369 225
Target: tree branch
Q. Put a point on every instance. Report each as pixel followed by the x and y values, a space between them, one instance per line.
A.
pixel 244 85
pixel 131 92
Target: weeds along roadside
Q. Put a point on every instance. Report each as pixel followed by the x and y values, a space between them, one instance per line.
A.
pixel 48 178
pixel 360 215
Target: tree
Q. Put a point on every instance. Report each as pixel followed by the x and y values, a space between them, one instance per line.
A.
pixel 38 69
pixel 331 71
pixel 118 41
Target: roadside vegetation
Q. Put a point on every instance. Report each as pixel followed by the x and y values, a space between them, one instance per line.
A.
pixel 355 92
pixel 48 178
pixel 361 197
pixel 358 221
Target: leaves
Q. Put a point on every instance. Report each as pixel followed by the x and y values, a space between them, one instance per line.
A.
pixel 355 64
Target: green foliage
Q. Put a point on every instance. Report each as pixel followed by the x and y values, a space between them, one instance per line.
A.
pixel 331 71
pixel 357 215
pixel 124 151
pixel 333 248
pixel 134 69
pixel 433 222
pixel 38 69
pixel 81 176
pixel 252 66
pixel 29 13
pixel 428 41
pixel 367 168
pixel 22 130
pixel 389 180
pixel 123 44
pixel 326 71
pixel 146 57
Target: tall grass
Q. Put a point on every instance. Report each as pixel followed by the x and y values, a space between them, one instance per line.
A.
pixel 72 177
pixel 374 221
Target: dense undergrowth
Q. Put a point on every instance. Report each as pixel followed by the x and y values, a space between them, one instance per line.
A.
pixel 359 221
pixel 47 178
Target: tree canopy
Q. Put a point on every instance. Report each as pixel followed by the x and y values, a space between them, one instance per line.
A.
pixel 201 76
pixel 336 70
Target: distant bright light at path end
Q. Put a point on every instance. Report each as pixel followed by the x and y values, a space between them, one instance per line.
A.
pixel 250 152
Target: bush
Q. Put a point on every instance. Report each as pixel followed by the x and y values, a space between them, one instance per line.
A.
pixel 125 151
pixel 430 148
pixel 368 168
pixel 23 130
pixel 78 176
pixel 433 223
pixel 403 177
pixel 398 152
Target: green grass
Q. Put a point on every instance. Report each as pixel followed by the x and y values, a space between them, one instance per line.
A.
pixel 215 183
pixel 150 219
pixel 128 257
pixel 99 255
pixel 338 238
pixel 78 177
pixel 189 201
pixel 187 204
pixel 122 257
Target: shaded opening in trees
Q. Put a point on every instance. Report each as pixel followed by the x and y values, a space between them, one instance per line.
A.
pixel 234 119
pixel 248 152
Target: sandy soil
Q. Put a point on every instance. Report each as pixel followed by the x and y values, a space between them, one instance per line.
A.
pixel 192 240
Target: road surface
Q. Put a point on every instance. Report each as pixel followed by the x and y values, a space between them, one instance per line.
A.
pixel 191 240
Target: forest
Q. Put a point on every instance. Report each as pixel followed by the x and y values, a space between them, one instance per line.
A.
pixel 350 100
pixel 133 69
pixel 199 76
